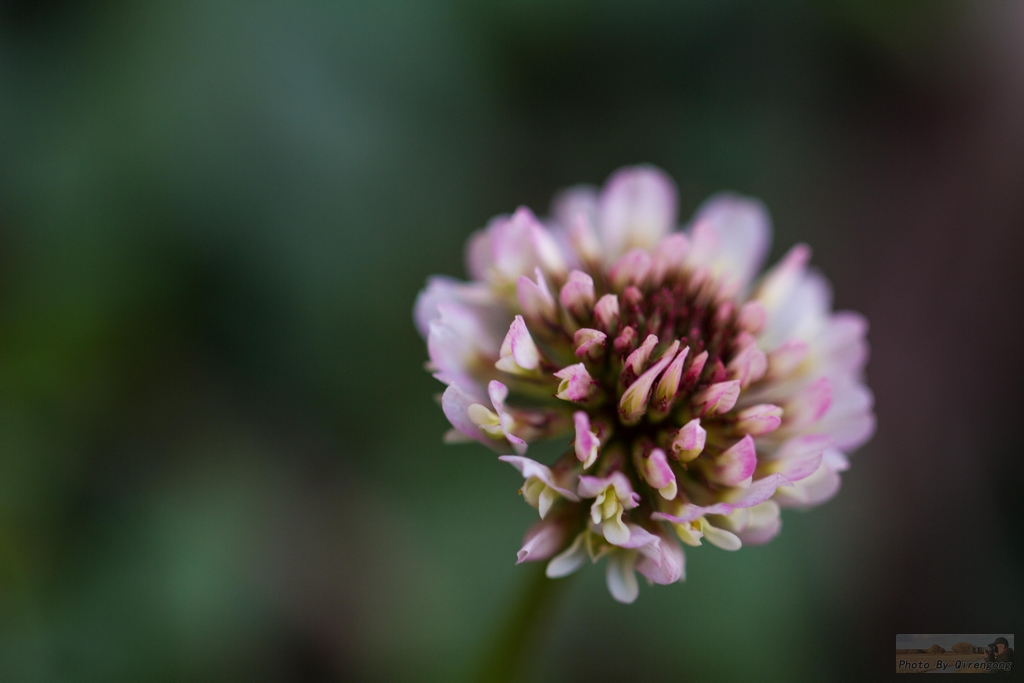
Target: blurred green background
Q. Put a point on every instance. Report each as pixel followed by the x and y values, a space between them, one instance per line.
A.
pixel 220 459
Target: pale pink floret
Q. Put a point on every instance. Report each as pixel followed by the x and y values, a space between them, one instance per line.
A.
pixel 718 398
pixel 657 472
pixel 541 489
pixel 491 426
pixel 543 540
pixel 797 458
pixel 606 312
pixel 518 354
pixel 587 443
pixel 730 237
pixel 736 464
pixel 535 299
pixel 612 495
pixel 632 268
pixel 576 385
pixel 635 210
pixel 577 294
pixel 637 360
pixel 689 440
pixel 759 420
pixel 589 343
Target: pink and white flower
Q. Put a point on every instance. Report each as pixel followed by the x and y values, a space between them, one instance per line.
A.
pixel 697 401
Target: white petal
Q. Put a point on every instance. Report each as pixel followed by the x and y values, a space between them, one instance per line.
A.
pixel 621 577
pixel 569 560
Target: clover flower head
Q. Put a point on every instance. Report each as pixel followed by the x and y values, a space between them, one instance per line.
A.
pixel 696 399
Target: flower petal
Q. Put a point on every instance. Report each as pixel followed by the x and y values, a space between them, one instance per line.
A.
pixel 586 444
pixel 763 525
pixel 533 469
pixel 543 540
pixel 730 237
pixel 637 207
pixel 735 464
pixel 569 560
pixel 718 398
pixel 669 566
pixel 621 577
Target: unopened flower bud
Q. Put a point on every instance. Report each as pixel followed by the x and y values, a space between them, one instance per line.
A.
pixel 519 354
pixel 577 294
pixel 606 312
pixel 589 343
pixel 587 443
pixel 718 398
pixel 633 404
pixel 536 301
pixel 689 441
pixel 577 385
pixel 657 472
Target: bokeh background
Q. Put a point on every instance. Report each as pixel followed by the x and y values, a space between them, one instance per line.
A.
pixel 220 459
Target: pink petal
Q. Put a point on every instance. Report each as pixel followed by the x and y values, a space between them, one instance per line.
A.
pixel 735 464
pixel 590 487
pixel 643 540
pixel 842 344
pixel 668 385
pixel 669 256
pixel 786 358
pixel 749 365
pixel 730 237
pixel 752 317
pixel 519 346
pixel 455 403
pixel 577 384
pixel 574 203
pixel 589 343
pixel 478 254
pixel 687 513
pixel 809 405
pixel 671 565
pixel 638 358
pixel 718 398
pixel 689 441
pixel 759 420
pixel 586 443
pixel 543 540
pixel 475 296
pixel 658 473
pixel 535 299
pixel 531 468
pixel 764 524
pixel 632 268
pixel 637 207
pixel 696 368
pixel 606 313
pixel 849 420
pixel 781 280
pixel 577 294
pixel 758 491
pixel 819 487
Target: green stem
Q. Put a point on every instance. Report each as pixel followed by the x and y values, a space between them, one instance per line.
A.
pixel 507 652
